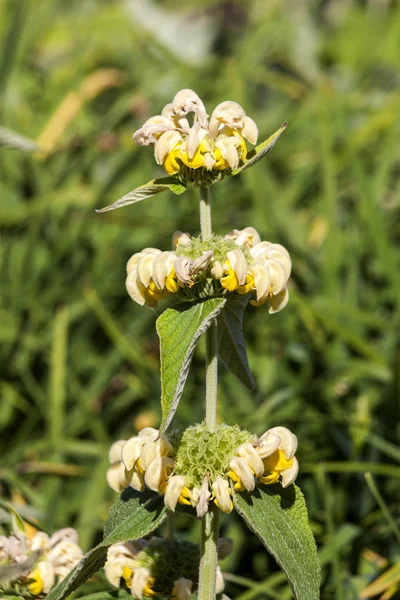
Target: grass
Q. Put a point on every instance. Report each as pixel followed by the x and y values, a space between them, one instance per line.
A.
pixel 80 360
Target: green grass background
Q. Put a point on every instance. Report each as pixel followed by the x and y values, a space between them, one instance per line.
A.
pixel 80 364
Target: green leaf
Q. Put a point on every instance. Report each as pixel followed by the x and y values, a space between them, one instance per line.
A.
pixel 16 141
pixel 278 516
pixel 179 329
pixel 261 150
pixel 131 517
pixel 232 347
pixel 153 187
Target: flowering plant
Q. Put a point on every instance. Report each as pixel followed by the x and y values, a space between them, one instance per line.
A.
pixel 210 467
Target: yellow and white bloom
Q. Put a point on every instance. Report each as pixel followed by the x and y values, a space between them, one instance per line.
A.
pixel 57 556
pixel 215 144
pixel 277 448
pixel 190 470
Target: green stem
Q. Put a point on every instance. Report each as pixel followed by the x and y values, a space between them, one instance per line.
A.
pixel 209 554
pixel 211 376
pixel 205 214
pixel 209 529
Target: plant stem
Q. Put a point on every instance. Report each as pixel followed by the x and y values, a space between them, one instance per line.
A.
pixel 209 526
pixel 205 213
pixel 211 376
pixel 209 555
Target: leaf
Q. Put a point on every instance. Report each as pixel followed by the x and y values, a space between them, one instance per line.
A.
pixel 261 150
pixel 387 580
pixel 16 141
pixel 278 516
pixel 131 517
pixel 179 328
pixel 232 347
pixel 153 187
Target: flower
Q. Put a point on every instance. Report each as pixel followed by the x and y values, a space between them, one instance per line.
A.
pixel 238 263
pixel 202 150
pixel 159 568
pixel 198 467
pixel 53 557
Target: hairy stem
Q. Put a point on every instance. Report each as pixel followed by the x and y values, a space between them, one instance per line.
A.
pixel 209 530
pixel 211 376
pixel 209 555
pixel 205 213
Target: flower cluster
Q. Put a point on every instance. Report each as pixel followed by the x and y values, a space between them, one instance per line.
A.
pixel 198 467
pixel 201 150
pixel 238 263
pixel 51 558
pixel 159 568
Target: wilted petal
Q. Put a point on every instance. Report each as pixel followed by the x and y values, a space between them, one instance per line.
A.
pixel 200 498
pixel 288 443
pixel 278 302
pixel 201 263
pixel 250 130
pixel 165 144
pixel 252 457
pixel 183 267
pixel 158 472
pixel 152 129
pixel 243 471
pixel 289 475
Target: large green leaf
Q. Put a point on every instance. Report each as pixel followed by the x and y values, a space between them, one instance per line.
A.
pixel 153 187
pixel 261 150
pixel 131 517
pixel 179 328
pixel 279 518
pixel 232 347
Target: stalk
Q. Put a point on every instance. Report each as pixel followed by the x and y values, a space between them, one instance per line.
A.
pixel 210 521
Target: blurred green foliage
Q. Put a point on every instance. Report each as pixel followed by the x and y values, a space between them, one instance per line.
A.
pixel 80 359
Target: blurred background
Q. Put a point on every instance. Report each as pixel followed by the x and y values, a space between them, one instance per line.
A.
pixel 79 359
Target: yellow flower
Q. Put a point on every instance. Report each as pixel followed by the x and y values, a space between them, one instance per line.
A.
pixel 215 144
pixel 36 586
